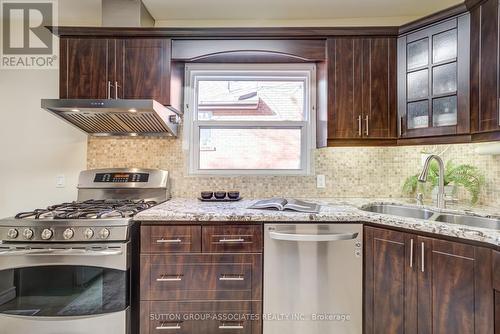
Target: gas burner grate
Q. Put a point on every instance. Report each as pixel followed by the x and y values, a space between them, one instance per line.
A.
pixel 91 209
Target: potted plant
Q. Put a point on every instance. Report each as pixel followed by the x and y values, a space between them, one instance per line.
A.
pixel 467 176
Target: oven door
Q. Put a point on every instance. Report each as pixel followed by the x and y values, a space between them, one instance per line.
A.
pixel 64 289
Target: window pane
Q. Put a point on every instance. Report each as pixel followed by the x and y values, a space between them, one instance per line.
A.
pixel 444 79
pixel 250 148
pixel 444 111
pixel 418 54
pixel 418 114
pixel 418 84
pixel 250 100
pixel 444 46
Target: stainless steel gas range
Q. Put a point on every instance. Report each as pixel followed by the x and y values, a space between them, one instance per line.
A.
pixel 69 268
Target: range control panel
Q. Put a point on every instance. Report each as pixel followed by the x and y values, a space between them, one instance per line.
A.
pixel 121 177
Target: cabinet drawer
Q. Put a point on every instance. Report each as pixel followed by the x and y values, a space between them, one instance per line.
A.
pixel 227 317
pixel 201 277
pixel 233 238
pixel 170 239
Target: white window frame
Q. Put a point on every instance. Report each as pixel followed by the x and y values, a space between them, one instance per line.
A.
pixel 192 126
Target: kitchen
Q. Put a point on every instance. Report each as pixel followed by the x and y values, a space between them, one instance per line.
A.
pixel 145 144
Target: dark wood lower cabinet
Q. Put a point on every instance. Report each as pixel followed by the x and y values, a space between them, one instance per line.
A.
pixel 201 279
pixel 424 285
pixel 390 282
pixel 207 317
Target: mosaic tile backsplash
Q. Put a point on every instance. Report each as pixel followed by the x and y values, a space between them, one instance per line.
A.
pixel 350 172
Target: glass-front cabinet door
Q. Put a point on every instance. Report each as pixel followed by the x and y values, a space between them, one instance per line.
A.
pixel 433 80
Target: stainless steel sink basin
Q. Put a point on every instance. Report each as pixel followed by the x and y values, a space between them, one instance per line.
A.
pixel 420 213
pixel 399 210
pixel 469 220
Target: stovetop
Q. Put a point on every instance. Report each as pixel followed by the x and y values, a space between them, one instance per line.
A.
pixel 90 209
pixel 107 201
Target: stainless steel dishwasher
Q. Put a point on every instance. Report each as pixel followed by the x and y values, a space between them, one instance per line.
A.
pixel 313 279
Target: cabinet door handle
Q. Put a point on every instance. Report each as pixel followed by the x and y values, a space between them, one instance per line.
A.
pixel 165 326
pixel 116 90
pixel 109 89
pixel 401 123
pixel 411 253
pixel 367 125
pixel 232 278
pixel 169 241
pixel 423 258
pixel 170 278
pixel 359 126
pixel 228 241
pixel 231 326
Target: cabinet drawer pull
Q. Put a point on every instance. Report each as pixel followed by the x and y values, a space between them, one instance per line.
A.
pixel 411 253
pixel 231 326
pixel 232 278
pixel 169 278
pixel 166 326
pixel 367 121
pixel 231 240
pixel 359 126
pixel 169 241
pixel 423 257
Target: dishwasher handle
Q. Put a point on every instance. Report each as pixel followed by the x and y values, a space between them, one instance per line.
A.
pixel 312 237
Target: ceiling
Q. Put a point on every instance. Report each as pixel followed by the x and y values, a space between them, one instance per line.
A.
pixel 261 13
pixel 172 12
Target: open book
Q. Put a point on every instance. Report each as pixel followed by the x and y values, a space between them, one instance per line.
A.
pixel 286 204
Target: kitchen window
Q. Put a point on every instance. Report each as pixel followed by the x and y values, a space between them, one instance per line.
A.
pixel 250 118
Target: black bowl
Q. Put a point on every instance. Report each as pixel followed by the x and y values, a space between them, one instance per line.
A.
pixel 233 194
pixel 220 194
pixel 207 194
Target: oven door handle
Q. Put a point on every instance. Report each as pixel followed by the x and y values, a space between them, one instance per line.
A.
pixel 59 252
pixel 312 237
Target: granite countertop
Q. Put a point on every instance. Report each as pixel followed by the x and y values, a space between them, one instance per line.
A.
pixel 332 210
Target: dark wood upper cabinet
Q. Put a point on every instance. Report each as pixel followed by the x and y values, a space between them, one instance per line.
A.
pixel 433 80
pixel 379 87
pixel 143 69
pixel 84 68
pixel 485 67
pixel 361 88
pixel 125 68
pixel 424 285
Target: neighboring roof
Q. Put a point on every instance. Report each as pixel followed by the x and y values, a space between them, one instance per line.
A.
pixel 238 109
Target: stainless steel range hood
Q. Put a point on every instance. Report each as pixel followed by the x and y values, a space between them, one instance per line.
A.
pixel 120 117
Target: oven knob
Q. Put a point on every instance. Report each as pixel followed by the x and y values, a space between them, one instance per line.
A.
pixel 88 233
pixel 104 233
pixel 28 233
pixel 12 233
pixel 68 233
pixel 46 234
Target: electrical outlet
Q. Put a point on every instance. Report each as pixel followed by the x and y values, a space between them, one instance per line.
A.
pixel 60 181
pixel 320 181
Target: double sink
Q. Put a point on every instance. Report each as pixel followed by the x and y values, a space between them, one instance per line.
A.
pixel 422 213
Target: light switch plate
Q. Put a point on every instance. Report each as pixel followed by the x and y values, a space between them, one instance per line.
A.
pixel 320 181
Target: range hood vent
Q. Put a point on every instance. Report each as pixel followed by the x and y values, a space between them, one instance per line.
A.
pixel 122 117
pixel 125 13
